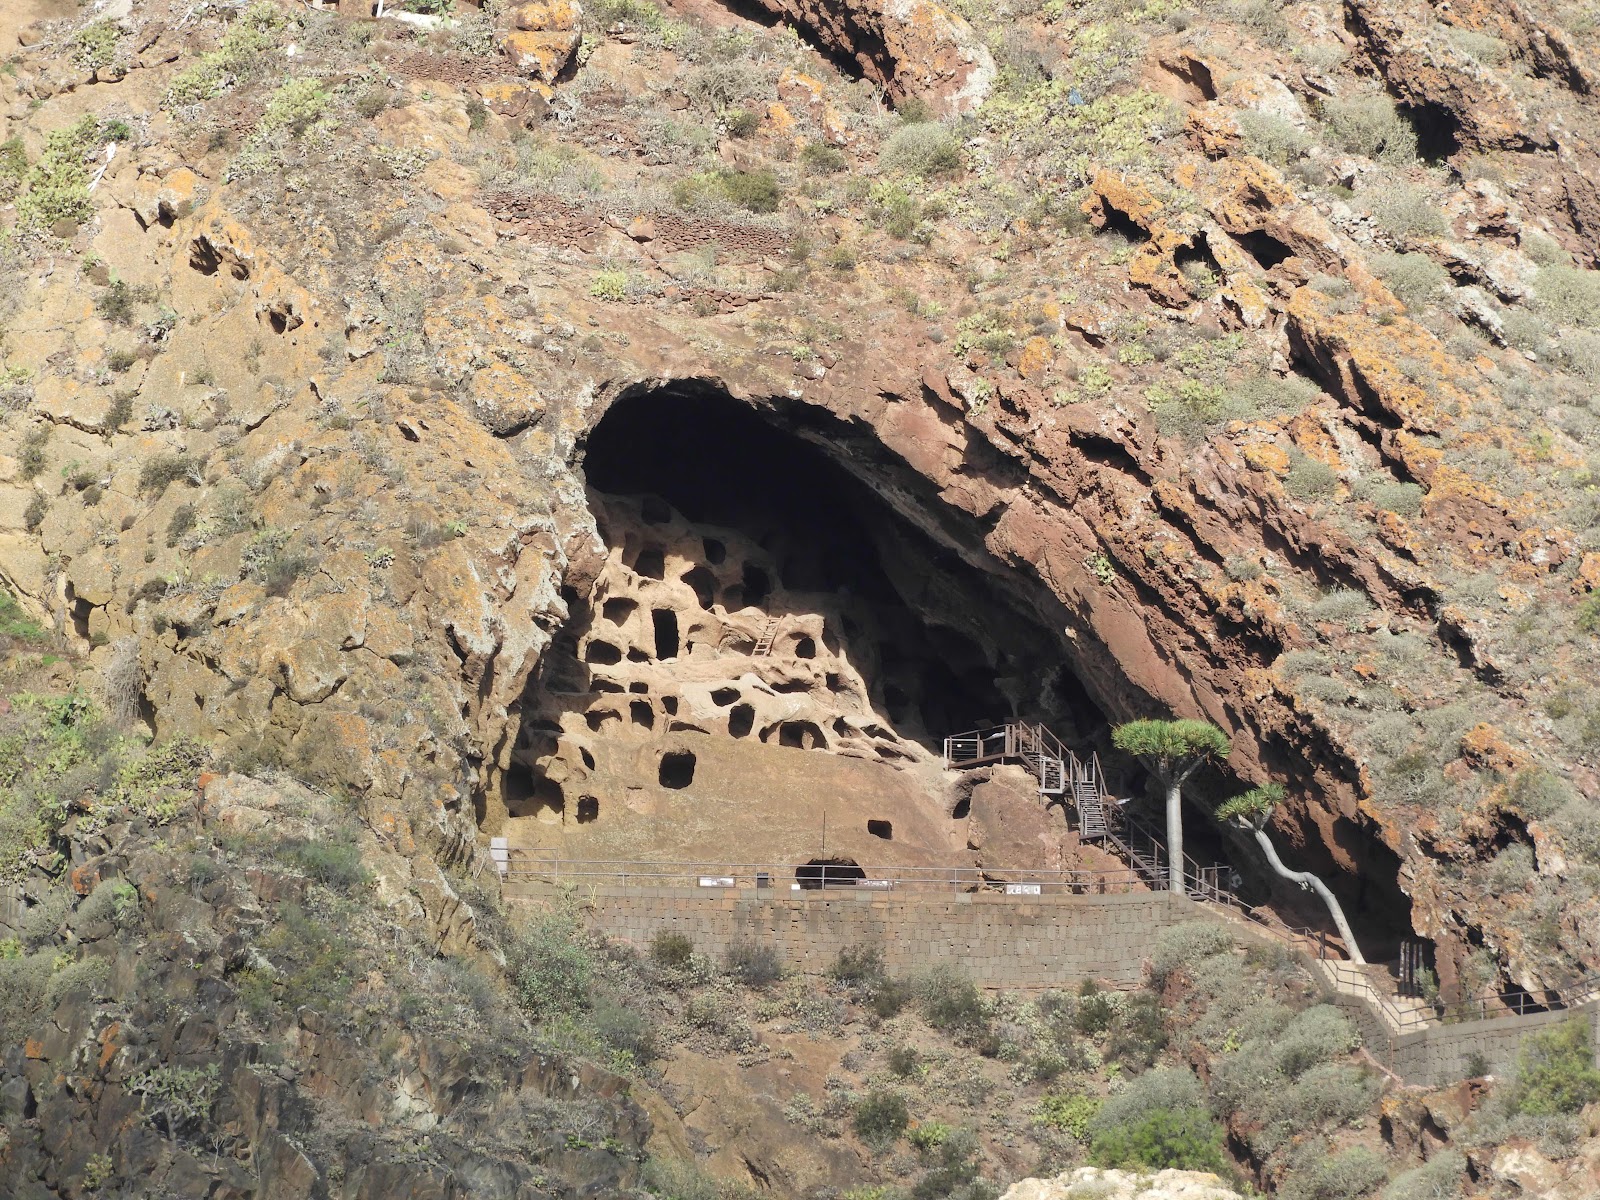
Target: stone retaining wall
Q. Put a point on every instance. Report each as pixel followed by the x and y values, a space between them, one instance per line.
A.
pixel 1437 1055
pixel 1001 941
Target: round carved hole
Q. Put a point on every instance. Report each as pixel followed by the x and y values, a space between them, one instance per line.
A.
pixel 677 769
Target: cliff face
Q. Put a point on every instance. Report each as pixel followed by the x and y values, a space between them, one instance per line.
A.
pixel 1242 363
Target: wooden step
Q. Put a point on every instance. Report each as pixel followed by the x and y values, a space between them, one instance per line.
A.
pixel 768 636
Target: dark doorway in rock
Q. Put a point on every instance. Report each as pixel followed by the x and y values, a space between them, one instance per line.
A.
pixel 881 829
pixel 588 809
pixel 665 622
pixel 677 769
pixel 828 872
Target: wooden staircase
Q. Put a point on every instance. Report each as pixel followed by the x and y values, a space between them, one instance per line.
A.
pixel 768 636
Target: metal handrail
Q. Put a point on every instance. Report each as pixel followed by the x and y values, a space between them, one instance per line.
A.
pixel 639 872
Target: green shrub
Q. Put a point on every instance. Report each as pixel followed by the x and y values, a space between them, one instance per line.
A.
pixel 1185 1139
pixel 925 149
pixel 30 456
pixel 1555 1070
pixel 1415 279
pixel 57 186
pixel 1437 1179
pixel 1310 478
pixel 86 977
pixel 1094 1011
pixel 1184 946
pixel 741 122
pixel 23 979
pixel 752 964
pixel 1570 295
pixel 880 1118
pixel 164 469
pixel 610 284
pixel 114 900
pixel 858 966
pixel 1139 1031
pixel 951 1003
pixel 1588 615
pixel 1403 499
pixel 1370 126
pixel 953 1173
pixel 333 862
pixel 1317 1175
pixel 670 949
pixel 1328 1094
pixel 116 303
pixel 890 997
pixel 14 167
pixel 1071 1113
pixel 1343 606
pixel 1318 1034
pixel 14 623
pixel 550 967
pixel 756 191
pixel 1407 212
pixel 1269 136
pixel 819 158
pixel 903 1061
pixel 241 53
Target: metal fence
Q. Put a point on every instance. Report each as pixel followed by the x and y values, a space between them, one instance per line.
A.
pixel 788 878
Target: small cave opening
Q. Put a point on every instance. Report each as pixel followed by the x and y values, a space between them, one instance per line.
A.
pixel 704 584
pixel 665 623
pixel 642 714
pixel 651 563
pixel 805 647
pixel 677 769
pixel 1267 250
pixel 588 809
pixel 602 653
pixel 741 720
pixel 881 829
pixel 618 609
pixel 1438 131
pixel 828 872
pixel 724 696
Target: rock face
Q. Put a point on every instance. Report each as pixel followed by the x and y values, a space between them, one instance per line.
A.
pixel 911 48
pixel 1098 1183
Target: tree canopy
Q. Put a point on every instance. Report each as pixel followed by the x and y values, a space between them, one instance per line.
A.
pixel 1166 746
pixel 1252 807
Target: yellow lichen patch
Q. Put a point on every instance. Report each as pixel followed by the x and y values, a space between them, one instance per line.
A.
pixel 780 118
pixel 1111 192
pixel 1397 534
pixel 1484 746
pixel 1037 355
pixel 1268 457
pixel 1588 577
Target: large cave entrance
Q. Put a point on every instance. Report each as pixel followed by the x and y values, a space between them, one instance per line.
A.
pixel 779 627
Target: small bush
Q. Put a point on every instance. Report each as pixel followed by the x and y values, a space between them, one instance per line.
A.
pixel 88 977
pixel 880 1118
pixel 858 966
pixel 1370 126
pixel 1343 1176
pixel 609 284
pixel 1274 138
pixel 741 122
pixel 925 149
pixel 1406 212
pixel 116 303
pixel 1310 479
pixel 1139 1032
pixel 951 1003
pixel 1071 1113
pixel 332 862
pixel 1343 606
pixel 1185 1139
pixel 1556 1074
pixel 903 1061
pixel 30 456
pixel 671 950
pixel 1403 499
pixel 753 965
pixel 114 900
pixel 1569 294
pixel 1437 1179
pixel 819 158
pixel 1316 1035
pixel 1184 946
pixel 757 191
pixel 1415 279
pixel 164 469
pixel 550 967
pixel 890 997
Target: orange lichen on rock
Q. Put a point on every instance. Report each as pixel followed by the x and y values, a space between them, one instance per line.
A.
pixel 1485 747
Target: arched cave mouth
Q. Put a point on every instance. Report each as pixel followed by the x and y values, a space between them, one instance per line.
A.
pixel 942 643
pixel 942 647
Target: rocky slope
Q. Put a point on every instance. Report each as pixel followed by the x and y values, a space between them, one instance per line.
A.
pixel 1238 361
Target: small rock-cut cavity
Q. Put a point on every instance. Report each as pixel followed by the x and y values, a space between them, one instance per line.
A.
pixel 665 622
pixel 677 769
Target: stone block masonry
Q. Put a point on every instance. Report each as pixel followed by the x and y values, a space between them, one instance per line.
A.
pixel 1001 941
pixel 1438 1055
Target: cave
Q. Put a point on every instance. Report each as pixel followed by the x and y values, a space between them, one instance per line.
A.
pixel 881 829
pixel 779 530
pixel 941 645
pixel 677 769
pixel 828 872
